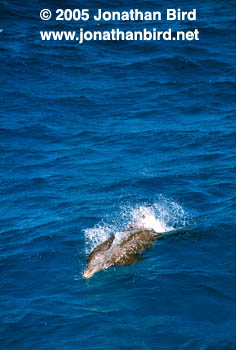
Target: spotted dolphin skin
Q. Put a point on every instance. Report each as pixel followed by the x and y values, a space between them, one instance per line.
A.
pixel 123 253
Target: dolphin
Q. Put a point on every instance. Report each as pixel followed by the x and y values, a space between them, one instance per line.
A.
pixel 123 253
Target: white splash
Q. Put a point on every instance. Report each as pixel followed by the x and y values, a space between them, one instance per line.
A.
pixel 145 217
pixel 96 235
pixel 163 215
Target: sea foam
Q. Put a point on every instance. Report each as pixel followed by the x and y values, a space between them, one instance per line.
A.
pixel 163 215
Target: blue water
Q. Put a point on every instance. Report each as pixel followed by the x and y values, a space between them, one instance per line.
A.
pixel 87 133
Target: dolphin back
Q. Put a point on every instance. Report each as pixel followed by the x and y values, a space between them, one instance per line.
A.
pixel 134 244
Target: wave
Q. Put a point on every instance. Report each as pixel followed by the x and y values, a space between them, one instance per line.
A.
pixel 163 215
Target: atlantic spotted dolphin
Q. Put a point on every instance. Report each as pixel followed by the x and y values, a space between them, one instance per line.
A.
pixel 124 252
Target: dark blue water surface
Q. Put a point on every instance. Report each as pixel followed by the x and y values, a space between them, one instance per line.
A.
pixel 87 133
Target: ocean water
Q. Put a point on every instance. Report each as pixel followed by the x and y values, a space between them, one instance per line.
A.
pixel 91 134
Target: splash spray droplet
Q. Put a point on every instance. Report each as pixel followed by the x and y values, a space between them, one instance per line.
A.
pixel 163 215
